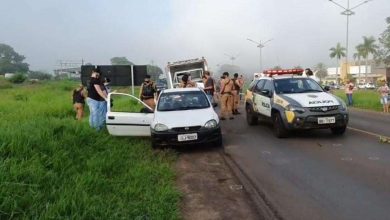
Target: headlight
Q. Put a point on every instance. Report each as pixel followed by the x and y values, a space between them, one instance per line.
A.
pixel 160 127
pixel 211 124
pixel 294 108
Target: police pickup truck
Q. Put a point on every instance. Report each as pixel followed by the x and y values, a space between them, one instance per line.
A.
pixel 294 102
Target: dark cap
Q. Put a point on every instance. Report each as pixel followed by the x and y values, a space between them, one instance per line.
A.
pixel 147 76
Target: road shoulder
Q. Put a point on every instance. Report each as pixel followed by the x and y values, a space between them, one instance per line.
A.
pixel 210 189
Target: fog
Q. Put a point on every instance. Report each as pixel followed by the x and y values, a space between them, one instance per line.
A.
pixel 147 31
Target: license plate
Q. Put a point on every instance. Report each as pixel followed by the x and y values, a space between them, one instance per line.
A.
pixel 187 137
pixel 326 120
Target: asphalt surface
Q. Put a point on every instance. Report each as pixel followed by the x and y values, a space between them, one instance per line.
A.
pixel 316 175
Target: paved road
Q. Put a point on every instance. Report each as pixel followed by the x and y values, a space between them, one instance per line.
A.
pixel 315 175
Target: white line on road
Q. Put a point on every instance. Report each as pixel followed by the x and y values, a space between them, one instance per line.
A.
pixel 368 132
pixel 346 158
pixel 373 158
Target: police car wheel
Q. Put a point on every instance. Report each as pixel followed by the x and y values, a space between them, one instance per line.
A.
pixel 339 130
pixel 279 129
pixel 251 118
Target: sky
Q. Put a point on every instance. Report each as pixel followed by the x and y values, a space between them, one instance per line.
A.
pixel 159 31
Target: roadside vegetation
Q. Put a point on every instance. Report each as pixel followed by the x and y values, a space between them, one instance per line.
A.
pixel 364 99
pixel 54 167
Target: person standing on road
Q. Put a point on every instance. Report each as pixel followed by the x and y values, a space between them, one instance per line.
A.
pixel 209 86
pixel 242 82
pixel 349 91
pixel 218 89
pixel 384 92
pixel 236 94
pixel 96 101
pixel 148 92
pixel 186 82
pixel 226 97
pixel 79 102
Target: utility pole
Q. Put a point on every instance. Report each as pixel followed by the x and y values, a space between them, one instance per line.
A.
pixel 260 45
pixel 348 12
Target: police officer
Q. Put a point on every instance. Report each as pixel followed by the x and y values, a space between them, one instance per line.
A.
pixel 186 82
pixel 148 92
pixel 226 97
pixel 236 94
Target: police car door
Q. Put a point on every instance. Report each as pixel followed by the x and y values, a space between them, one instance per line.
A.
pixel 265 97
pixel 256 95
pixel 128 116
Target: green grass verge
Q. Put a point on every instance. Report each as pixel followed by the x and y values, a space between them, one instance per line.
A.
pixel 364 99
pixel 53 167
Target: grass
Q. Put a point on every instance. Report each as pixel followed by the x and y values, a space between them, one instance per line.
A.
pixel 364 99
pixel 54 167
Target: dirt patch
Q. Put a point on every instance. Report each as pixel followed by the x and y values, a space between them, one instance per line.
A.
pixel 210 190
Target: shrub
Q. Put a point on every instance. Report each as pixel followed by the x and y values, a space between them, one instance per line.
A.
pixel 39 75
pixel 18 78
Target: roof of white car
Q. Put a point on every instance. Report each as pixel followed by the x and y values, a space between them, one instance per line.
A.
pixel 180 90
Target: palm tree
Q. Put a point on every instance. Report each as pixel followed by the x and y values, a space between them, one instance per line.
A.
pixel 366 48
pixel 358 56
pixel 321 71
pixel 337 52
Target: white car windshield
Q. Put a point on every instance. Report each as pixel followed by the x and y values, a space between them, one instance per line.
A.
pixel 177 101
pixel 296 85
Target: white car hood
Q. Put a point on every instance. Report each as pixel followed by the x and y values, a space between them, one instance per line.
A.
pixel 185 118
pixel 314 99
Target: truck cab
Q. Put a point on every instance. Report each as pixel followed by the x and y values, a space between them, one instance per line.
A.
pixel 194 68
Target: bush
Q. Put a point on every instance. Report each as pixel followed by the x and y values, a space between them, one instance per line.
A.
pixel 18 78
pixel 39 75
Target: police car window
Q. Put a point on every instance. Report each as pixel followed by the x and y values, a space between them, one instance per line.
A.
pixel 177 101
pixel 252 85
pixel 268 86
pixel 259 85
pixel 296 85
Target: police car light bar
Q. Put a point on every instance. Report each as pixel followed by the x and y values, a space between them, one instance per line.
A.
pixel 283 72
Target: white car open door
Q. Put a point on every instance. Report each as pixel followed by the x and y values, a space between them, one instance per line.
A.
pixel 127 115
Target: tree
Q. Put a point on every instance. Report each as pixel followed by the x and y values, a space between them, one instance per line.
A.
pixel 337 52
pixel 297 67
pixel 277 67
pixel 11 61
pixel 366 48
pixel 358 56
pixel 383 53
pixel 120 61
pixel 322 72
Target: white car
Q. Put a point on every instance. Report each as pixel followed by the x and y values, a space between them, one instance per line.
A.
pixel 182 116
pixel 369 86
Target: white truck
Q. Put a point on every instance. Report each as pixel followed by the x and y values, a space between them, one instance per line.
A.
pixel 194 68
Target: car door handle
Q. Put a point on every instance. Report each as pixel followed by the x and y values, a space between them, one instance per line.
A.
pixel 111 117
